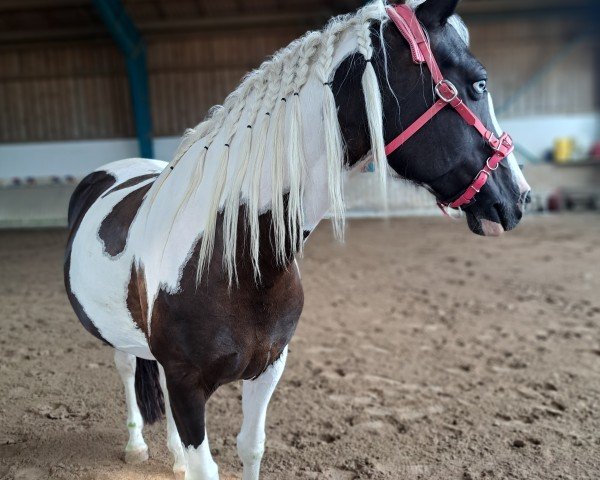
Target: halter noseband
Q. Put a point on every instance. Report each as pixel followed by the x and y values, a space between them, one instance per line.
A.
pixel 405 19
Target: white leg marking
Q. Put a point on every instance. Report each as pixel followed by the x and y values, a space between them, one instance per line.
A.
pixel 173 440
pixel 255 399
pixel 136 450
pixel 200 464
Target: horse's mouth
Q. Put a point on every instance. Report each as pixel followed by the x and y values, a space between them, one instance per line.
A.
pixel 494 222
pixel 491 229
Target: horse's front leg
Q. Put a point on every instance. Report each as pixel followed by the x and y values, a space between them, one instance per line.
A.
pixel 255 399
pixel 187 401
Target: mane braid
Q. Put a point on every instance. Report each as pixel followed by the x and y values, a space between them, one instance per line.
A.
pixel 272 74
pixel 279 158
pixel 295 144
pixel 263 116
pixel 373 102
pixel 231 215
pixel 333 135
pixel 233 120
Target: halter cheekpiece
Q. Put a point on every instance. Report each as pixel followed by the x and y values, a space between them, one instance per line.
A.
pixel 405 19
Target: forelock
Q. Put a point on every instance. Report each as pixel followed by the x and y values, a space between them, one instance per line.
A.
pixel 458 25
pixel 414 3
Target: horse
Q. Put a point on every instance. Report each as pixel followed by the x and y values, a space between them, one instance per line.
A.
pixel 188 268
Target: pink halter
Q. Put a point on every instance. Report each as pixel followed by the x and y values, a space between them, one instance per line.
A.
pixel 408 24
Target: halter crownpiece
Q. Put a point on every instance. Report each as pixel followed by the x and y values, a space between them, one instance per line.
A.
pixel 405 19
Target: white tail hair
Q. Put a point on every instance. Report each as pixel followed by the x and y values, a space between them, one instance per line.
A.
pixel 267 107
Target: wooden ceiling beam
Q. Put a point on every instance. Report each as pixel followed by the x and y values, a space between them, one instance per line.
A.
pixel 237 21
pixel 489 7
pixel 172 25
pixel 21 5
pixel 40 35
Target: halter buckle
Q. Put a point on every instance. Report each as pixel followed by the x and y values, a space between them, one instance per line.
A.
pixel 450 86
pixel 505 142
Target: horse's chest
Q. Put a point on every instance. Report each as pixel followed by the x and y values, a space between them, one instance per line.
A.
pixel 229 334
pixel 270 323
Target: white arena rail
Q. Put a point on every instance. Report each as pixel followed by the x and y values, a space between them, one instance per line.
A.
pixel 35 202
pixel 43 201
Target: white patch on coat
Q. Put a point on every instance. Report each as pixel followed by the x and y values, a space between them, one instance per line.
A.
pixel 517 174
pixel 100 281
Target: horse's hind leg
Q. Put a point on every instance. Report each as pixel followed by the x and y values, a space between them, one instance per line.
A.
pixel 256 395
pixel 173 440
pixel 136 450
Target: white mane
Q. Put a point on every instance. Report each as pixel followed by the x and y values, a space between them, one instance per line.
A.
pixel 267 107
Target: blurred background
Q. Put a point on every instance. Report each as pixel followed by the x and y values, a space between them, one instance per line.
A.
pixel 85 82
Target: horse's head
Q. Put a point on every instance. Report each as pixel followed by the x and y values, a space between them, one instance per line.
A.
pixel 447 153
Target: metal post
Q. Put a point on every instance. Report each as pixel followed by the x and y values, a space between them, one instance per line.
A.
pixel 130 42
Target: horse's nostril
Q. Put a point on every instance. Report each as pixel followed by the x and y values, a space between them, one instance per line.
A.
pixel 519 214
pixel 527 199
pixel 500 215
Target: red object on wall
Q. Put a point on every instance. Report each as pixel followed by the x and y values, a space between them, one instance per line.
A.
pixel 595 152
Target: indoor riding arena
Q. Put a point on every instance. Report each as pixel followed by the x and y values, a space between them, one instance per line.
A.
pixel 423 350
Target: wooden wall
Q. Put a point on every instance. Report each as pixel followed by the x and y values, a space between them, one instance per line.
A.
pixel 188 75
pixel 63 92
pixel 515 51
pixel 80 91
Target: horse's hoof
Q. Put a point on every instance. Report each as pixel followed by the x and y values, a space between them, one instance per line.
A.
pixel 135 457
pixel 179 474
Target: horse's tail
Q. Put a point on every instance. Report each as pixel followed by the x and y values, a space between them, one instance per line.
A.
pixel 148 392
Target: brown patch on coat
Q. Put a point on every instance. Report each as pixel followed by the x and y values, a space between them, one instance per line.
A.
pixel 211 334
pixel 137 298
pixel 84 196
pixel 131 182
pixel 114 229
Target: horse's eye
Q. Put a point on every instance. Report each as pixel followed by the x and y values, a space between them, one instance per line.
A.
pixel 480 86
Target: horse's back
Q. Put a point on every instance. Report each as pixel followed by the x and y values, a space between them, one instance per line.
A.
pixel 96 265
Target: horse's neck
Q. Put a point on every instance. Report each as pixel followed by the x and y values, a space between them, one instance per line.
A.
pixel 173 223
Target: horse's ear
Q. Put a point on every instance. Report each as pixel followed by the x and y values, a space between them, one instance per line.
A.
pixel 436 12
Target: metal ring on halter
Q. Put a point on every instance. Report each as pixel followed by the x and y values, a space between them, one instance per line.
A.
pixel 487 163
pixel 452 88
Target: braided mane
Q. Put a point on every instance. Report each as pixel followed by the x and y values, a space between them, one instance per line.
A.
pixel 266 107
